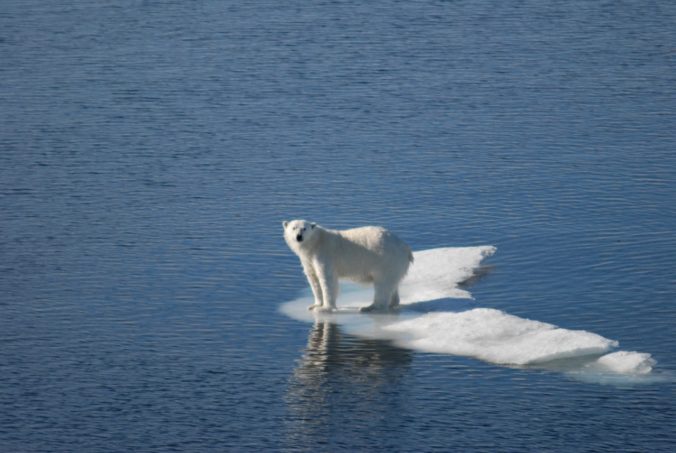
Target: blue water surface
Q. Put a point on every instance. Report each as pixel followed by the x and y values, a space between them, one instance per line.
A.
pixel 149 152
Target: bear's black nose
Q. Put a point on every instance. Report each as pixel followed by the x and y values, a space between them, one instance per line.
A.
pixel 299 238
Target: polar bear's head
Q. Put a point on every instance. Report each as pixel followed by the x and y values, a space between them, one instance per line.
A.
pixel 299 234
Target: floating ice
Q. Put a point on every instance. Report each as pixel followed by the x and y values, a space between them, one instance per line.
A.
pixel 496 337
pixel 626 362
pixel 436 273
pixel 483 333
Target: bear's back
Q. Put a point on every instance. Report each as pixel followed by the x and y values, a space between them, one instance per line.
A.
pixel 374 238
pixel 371 237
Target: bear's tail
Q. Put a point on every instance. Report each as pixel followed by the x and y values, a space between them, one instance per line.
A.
pixel 410 256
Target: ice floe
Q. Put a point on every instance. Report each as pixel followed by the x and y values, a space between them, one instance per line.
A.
pixel 467 330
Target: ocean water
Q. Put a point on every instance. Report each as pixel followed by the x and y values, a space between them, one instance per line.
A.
pixel 149 152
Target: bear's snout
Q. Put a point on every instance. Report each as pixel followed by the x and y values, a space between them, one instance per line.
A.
pixel 299 237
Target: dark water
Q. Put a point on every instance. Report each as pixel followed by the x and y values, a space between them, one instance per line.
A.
pixel 149 151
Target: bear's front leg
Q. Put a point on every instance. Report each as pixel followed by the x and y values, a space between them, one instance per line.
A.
pixel 314 284
pixel 328 279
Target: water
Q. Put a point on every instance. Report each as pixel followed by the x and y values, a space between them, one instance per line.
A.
pixel 150 150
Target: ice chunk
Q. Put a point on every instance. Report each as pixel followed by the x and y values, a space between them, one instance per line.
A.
pixel 436 273
pixel 497 337
pixel 626 362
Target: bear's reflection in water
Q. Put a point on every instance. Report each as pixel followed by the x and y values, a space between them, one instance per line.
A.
pixel 345 384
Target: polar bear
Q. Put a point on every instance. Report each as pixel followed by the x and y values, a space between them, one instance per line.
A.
pixel 368 254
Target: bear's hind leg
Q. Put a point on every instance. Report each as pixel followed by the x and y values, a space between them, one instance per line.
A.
pixel 394 301
pixel 383 294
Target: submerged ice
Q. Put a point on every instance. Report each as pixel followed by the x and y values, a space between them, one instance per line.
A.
pixel 484 333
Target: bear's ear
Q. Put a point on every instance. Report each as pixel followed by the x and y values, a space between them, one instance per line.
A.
pixel 312 225
pixel 285 223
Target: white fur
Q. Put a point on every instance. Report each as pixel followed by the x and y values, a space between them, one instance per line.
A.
pixel 368 255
